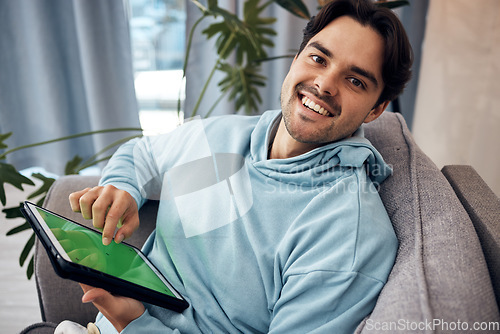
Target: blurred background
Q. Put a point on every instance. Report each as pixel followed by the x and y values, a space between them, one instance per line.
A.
pixel 73 66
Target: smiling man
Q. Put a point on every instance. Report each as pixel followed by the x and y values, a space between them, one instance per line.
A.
pixel 334 84
pixel 269 223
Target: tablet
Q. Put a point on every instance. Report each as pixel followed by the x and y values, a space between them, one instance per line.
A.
pixel 77 253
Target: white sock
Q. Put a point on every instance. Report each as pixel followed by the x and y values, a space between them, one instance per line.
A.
pixel 70 327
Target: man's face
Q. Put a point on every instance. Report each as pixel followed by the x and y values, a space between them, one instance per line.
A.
pixel 334 83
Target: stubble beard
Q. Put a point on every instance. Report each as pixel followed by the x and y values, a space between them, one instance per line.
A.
pixel 318 136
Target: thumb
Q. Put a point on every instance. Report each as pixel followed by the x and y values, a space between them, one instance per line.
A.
pixel 92 294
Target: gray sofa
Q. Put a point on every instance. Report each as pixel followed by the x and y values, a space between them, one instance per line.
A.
pixel 447 273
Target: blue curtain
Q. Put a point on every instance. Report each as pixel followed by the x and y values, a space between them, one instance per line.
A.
pixel 66 68
pixel 414 19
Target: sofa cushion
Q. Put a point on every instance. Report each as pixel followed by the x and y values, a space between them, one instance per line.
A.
pixel 40 328
pixel 440 272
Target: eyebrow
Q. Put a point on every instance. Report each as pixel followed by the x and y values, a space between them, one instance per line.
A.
pixel 366 74
pixel 321 48
pixel 356 69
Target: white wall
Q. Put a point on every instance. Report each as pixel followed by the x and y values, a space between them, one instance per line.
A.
pixel 457 113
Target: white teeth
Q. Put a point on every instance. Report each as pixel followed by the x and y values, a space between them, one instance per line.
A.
pixel 313 106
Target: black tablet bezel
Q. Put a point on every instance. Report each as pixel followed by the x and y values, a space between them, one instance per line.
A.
pixel 79 273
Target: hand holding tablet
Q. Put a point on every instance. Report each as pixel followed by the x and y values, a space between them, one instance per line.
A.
pixel 77 252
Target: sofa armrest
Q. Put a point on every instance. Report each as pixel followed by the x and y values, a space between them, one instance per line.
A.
pixel 60 299
pixel 483 207
pixel 440 270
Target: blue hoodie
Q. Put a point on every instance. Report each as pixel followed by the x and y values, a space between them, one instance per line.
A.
pixel 296 245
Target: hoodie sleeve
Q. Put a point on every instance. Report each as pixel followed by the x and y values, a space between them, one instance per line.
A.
pixel 325 302
pixel 336 261
pixel 144 324
pixel 133 169
pixel 139 165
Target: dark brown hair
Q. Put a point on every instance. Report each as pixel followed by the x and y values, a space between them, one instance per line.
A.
pixel 398 57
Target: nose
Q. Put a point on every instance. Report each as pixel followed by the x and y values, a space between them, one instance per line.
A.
pixel 327 83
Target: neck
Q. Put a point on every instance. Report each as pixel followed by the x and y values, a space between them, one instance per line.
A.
pixel 284 146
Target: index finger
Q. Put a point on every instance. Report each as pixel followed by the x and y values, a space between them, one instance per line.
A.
pixel 114 218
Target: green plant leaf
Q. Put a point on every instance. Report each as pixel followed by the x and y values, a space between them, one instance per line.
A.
pixel 78 135
pixel 203 9
pixel 241 83
pixel 296 7
pixel 247 37
pixel 95 159
pixel 258 28
pixel 44 188
pixel 13 212
pixel 72 165
pixel 27 249
pixel 244 38
pixel 31 267
pixel 8 174
pixel 2 138
pixel 212 5
pixel 20 228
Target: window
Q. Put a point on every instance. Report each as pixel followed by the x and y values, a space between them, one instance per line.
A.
pixel 157 33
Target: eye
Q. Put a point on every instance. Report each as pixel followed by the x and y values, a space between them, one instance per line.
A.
pixel 318 59
pixel 356 82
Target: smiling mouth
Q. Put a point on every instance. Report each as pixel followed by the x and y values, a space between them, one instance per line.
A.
pixel 315 107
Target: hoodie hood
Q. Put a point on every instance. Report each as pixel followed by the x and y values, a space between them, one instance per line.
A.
pixel 318 165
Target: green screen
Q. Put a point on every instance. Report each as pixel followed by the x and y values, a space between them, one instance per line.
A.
pixel 85 247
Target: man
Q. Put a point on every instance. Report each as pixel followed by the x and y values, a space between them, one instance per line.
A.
pixel 269 223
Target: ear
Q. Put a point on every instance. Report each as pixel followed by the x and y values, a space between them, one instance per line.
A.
pixel 376 112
